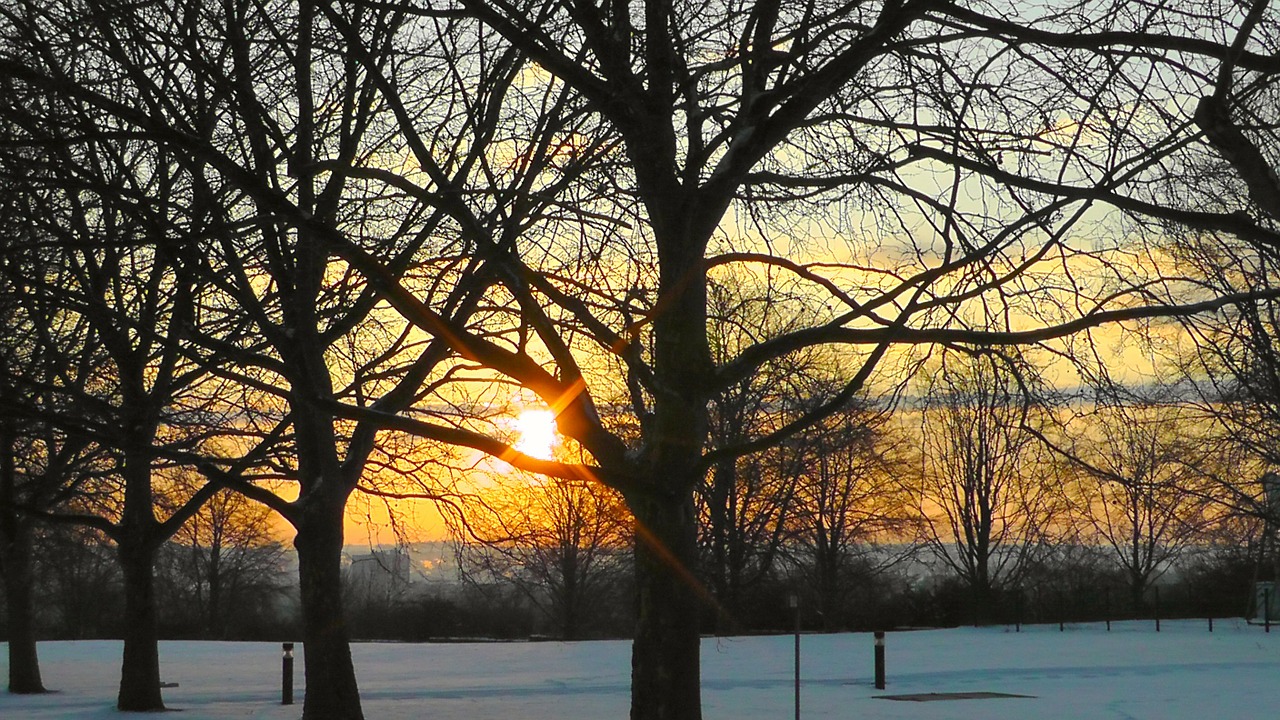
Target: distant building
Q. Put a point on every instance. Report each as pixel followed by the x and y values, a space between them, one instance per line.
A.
pixel 379 575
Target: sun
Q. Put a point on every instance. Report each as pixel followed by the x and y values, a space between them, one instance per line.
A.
pixel 537 429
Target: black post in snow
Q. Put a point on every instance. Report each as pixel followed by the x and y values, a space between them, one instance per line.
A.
pixel 880 683
pixel 794 601
pixel 286 674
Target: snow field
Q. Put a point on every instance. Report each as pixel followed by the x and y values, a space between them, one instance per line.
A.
pixel 1085 673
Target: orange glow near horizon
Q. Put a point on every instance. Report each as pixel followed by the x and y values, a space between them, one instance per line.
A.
pixel 370 521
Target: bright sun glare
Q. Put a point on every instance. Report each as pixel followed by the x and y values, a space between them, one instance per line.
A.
pixel 537 430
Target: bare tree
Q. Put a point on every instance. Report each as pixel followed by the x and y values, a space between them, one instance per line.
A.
pixel 559 542
pixel 986 492
pixel 1138 487
pixel 107 303
pixel 850 506
pixel 745 503
pixel 41 466
pixel 16 531
pixel 225 567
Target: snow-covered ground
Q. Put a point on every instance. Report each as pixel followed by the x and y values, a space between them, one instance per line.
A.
pixel 1183 672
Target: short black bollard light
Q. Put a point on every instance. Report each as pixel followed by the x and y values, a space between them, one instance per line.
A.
pixel 1266 609
pixel 793 601
pixel 879 659
pixel 286 675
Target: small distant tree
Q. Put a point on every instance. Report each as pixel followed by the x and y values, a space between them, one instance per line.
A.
pixel 1137 488
pixel 78 584
pixel 848 497
pixel 563 544
pixel 986 495
pixel 224 568
pixel 1233 554
pixel 744 503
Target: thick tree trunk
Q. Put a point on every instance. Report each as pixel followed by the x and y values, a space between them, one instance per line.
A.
pixel 980 598
pixel 1138 594
pixel 331 691
pixel 16 573
pixel 24 662
pixel 665 660
pixel 828 575
pixel 140 670
pixel 570 616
